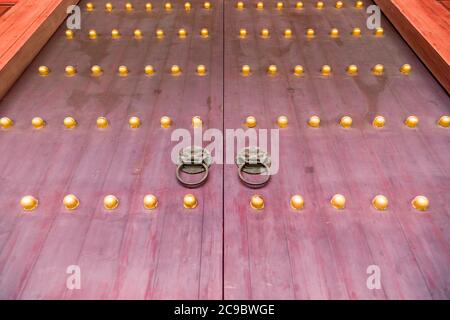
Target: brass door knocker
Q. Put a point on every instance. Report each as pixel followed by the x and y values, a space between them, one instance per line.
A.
pixel 253 161
pixel 193 160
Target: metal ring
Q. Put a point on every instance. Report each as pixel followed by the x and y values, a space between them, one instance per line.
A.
pixel 192 184
pixel 254 185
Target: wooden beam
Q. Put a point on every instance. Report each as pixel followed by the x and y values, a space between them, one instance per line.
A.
pixel 24 30
pixel 425 25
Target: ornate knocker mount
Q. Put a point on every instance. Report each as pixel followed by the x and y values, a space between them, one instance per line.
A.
pixel 193 160
pixel 254 161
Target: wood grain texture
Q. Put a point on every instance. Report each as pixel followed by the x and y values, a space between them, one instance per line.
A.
pixel 223 249
pixel 24 30
pixel 130 253
pixel 425 26
pixel 320 252
pixel 4 8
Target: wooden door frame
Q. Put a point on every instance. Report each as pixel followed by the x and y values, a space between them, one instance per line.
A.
pixel 24 30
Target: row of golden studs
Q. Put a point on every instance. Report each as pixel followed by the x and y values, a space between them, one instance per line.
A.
pixel 201 70
pixel 150 201
pixel 168 6
pixel 240 5
pixel 138 34
pixel 122 70
pixel 204 33
pixel 134 122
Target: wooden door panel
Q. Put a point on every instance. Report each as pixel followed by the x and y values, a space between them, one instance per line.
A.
pixel 224 249
pixel 130 252
pixel 321 252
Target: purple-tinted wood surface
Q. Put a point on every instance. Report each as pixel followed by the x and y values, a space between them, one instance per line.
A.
pixel 223 248
pixel 128 253
pixel 321 252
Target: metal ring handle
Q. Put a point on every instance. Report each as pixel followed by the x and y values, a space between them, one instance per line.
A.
pixel 192 184
pixel 254 185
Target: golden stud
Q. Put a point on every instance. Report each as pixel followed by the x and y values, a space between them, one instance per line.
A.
pixel 297 202
pixel 325 70
pixel 406 69
pixel 148 6
pixel 92 34
pixel 288 33
pixel 137 34
pixel 168 6
pixel 189 201
pixel 70 71
pixel 69 34
pixel 380 202
pixel 71 202
pixel 412 121
pixel 379 32
pixel 128 6
pixel 250 122
pixel 359 4
pixel 89 6
pixel 6 123
pixel 242 33
pixel 150 201
pixel 378 69
pixel 187 6
pixel 338 201
pixel 182 33
pixel 110 202
pixel 299 5
pixel 334 33
pixel 29 203
pixel 320 5
pixel 115 34
pixel 204 33
pixel 96 71
pixel 102 123
pixel 123 71
pixel 272 70
pixel 134 122
pixel 175 70
pixel 240 5
pixel 379 122
pixel 339 4
pixel 197 122
pixel 70 122
pixel 108 7
pixel 420 203
pixel 38 122
pixel 310 33
pixel 280 5
pixel 260 5
pixel 159 33
pixel 149 70
pixel 165 122
pixel 352 70
pixel 201 70
pixel 44 71
pixel 245 70
pixel 356 32
pixel 298 70
pixel 257 202
pixel 282 121
pixel 346 122
pixel 265 33
pixel 444 121
pixel 207 5
pixel 314 121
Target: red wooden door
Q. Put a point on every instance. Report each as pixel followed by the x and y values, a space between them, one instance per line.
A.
pixel 224 248
pixel 321 252
pixel 129 252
